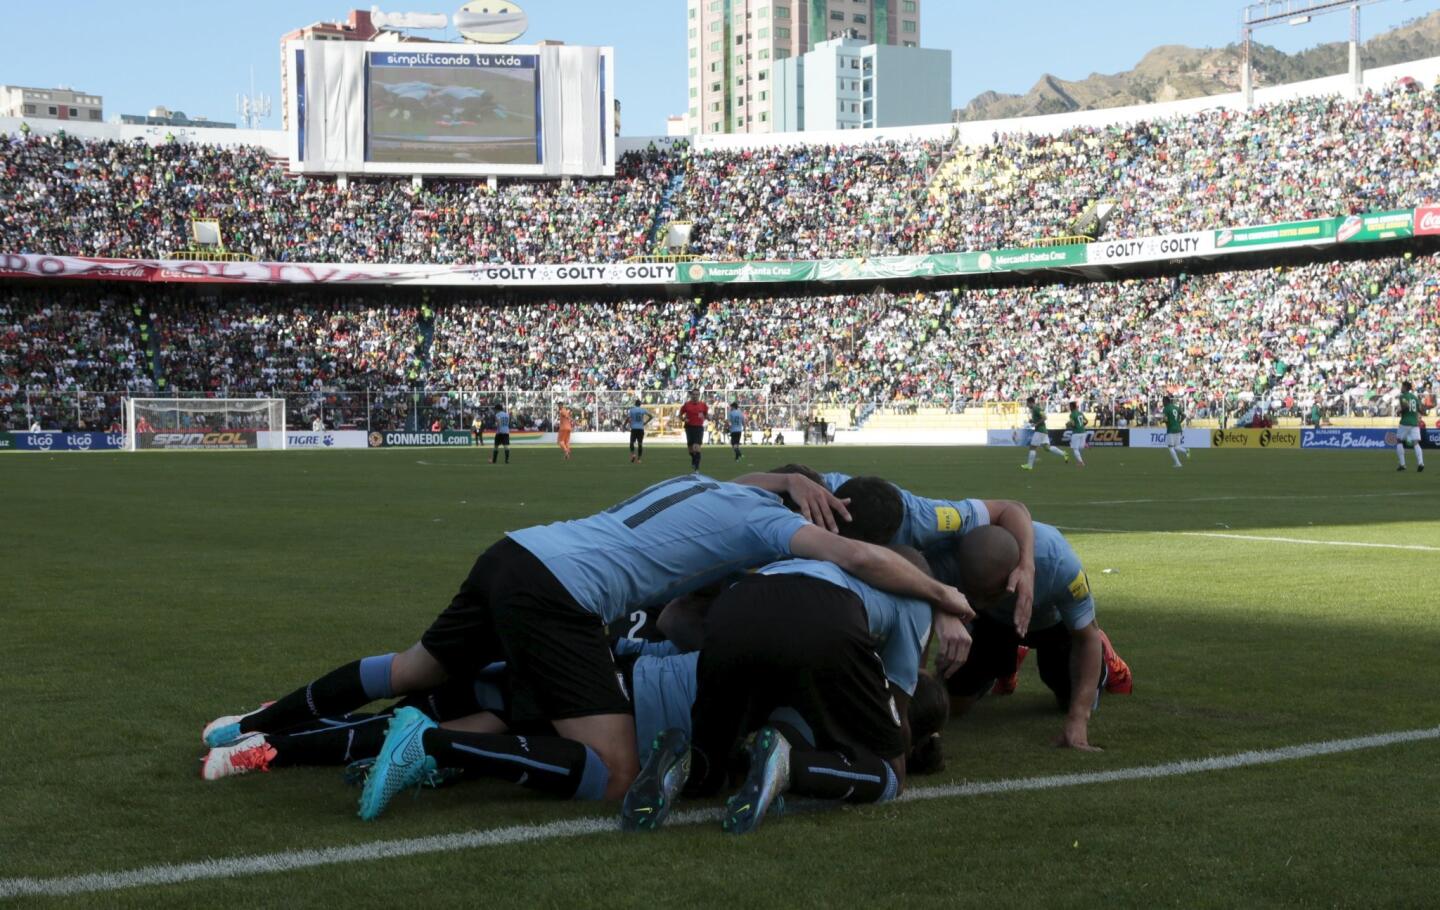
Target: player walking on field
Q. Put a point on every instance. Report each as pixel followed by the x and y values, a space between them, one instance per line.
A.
pixel 695 412
pixel 1039 435
pixel 639 417
pixel 567 423
pixel 737 427
pixel 1409 430
pixel 1174 430
pixel 1078 434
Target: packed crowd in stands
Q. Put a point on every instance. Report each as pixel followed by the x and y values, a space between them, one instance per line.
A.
pixel 67 196
pixel 1303 158
pixel 1339 333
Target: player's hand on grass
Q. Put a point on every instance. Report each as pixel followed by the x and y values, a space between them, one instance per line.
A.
pixel 1022 584
pixel 818 505
pixel 1076 735
pixel 952 640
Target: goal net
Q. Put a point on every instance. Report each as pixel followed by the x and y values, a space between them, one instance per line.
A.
pixel 204 424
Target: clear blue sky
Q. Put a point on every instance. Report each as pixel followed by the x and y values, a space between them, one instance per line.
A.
pixel 196 54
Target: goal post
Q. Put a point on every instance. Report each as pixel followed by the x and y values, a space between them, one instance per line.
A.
pixel 204 424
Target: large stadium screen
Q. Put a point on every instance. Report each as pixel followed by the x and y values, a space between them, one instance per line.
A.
pixel 450 109
pixel 470 108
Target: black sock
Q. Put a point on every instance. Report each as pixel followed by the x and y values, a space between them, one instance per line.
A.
pixel 550 764
pixel 339 742
pixel 507 454
pixel 866 778
pixel 695 460
pixel 335 694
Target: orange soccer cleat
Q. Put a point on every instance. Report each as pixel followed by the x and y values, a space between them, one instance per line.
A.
pixel 1118 680
pixel 1007 685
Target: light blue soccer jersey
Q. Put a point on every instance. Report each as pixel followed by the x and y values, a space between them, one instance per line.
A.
pixel 637 418
pixel 1062 591
pixel 900 624
pixel 737 420
pixel 927 521
pixel 673 538
pixel 502 421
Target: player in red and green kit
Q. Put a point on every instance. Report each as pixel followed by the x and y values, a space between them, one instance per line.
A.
pixel 1039 436
pixel 1409 429
pixel 1175 430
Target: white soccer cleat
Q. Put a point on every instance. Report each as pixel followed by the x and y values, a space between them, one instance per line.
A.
pixel 253 753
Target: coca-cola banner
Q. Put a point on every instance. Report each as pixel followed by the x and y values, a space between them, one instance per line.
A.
pixel 1427 220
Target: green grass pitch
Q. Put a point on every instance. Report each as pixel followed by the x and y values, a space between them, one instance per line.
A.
pixel 144 594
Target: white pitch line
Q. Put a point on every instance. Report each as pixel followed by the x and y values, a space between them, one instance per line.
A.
pixel 1317 543
pixel 149 876
pixel 1128 502
pixel 1300 540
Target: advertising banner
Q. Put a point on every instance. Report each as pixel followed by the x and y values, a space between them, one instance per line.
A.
pixel 747 272
pixel 1274 438
pixel 1047 257
pixel 25 265
pixel 330 439
pixel 1427 221
pixel 1344 438
pixel 1377 226
pixel 1154 438
pixel 62 442
pixel 1100 438
pixel 198 440
pixel 1149 249
pixel 1292 233
pixel 378 439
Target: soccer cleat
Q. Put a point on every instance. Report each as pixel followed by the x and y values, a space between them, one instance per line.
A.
pixel 651 797
pixel 1401 468
pixel 1007 685
pixel 356 771
pixel 1066 456
pixel 225 731
pixel 1118 680
pixel 1420 469
pixel 252 753
pixel 765 785
pixel 1027 467
pixel 402 762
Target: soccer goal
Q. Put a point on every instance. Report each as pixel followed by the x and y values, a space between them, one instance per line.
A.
pixel 204 424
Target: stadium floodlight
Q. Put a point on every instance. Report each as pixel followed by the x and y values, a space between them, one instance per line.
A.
pixel 1294 12
pixel 204 424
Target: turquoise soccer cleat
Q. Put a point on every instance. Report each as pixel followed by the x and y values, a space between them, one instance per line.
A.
pixel 768 779
pixel 652 795
pixel 402 762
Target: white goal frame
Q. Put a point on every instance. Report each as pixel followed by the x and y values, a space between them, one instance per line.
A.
pixel 224 407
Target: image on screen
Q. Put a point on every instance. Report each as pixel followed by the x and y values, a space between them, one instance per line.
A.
pixel 452 108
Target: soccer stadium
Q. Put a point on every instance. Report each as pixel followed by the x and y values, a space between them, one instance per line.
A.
pixel 394 488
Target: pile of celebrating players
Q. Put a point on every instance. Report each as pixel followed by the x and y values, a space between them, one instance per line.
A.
pixel 813 637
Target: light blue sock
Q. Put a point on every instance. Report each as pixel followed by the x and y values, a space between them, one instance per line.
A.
pixel 375 676
pixel 594 779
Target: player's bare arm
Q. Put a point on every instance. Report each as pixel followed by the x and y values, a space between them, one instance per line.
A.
pixel 881 567
pixel 1015 517
pixel 1085 660
pixel 817 504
